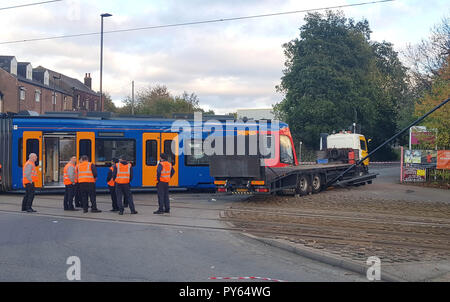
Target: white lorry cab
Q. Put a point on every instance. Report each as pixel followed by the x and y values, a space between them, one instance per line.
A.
pixel 349 140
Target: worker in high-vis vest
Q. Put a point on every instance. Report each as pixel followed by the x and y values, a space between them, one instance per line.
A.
pixel 29 178
pixel 112 185
pixel 87 175
pixel 122 175
pixel 163 174
pixel 69 181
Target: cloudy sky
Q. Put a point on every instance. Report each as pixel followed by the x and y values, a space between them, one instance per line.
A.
pixel 229 65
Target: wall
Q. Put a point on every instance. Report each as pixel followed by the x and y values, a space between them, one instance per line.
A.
pixel 8 87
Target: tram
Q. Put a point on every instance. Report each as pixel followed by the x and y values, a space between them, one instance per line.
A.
pixel 56 138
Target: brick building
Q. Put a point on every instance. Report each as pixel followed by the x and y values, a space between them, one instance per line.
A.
pixel 23 87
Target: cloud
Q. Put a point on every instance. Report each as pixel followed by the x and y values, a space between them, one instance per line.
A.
pixel 229 65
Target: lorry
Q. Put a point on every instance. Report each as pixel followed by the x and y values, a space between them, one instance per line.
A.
pixel 244 174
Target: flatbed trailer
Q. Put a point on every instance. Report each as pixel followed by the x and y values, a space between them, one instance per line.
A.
pixel 302 179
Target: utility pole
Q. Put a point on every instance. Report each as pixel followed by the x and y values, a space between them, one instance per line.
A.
pixel 132 98
pixel 101 61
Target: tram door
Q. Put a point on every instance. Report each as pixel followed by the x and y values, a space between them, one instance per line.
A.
pixel 57 150
pixel 32 143
pixel 86 145
pixel 153 145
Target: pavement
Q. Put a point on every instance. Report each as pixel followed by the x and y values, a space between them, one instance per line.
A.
pixel 191 244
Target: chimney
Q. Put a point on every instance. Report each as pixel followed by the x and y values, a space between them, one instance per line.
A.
pixel 88 80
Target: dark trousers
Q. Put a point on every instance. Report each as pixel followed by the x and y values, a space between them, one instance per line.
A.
pixel 112 191
pixel 77 194
pixel 27 200
pixel 68 197
pixel 163 196
pixel 123 191
pixel 87 189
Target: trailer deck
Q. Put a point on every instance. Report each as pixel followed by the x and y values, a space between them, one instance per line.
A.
pixel 300 179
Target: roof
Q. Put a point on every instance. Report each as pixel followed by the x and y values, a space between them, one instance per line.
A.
pixel 5 62
pixel 66 83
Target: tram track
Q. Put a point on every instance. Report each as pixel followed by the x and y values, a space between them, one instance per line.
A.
pixel 253 227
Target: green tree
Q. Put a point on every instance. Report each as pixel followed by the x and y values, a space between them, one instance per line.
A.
pixel 108 105
pixel 439 120
pixel 158 101
pixel 335 76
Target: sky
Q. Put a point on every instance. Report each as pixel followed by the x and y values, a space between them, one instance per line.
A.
pixel 229 65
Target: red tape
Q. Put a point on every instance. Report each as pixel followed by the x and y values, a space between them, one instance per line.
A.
pixel 245 278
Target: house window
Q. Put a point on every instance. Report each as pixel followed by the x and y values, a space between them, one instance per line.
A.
pixel 54 95
pixel 22 94
pixel 66 103
pixel 37 96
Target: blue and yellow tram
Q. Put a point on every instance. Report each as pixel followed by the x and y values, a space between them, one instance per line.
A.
pixel 141 140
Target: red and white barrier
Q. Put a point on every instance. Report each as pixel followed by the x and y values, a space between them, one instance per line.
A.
pixel 246 278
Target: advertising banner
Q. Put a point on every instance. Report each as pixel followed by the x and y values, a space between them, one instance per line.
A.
pixel 414 175
pixel 443 159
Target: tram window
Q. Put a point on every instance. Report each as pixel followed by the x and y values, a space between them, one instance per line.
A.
pixel 151 153
pixel 85 148
pixel 33 147
pixel 20 152
pixel 286 151
pixel 106 149
pixel 168 150
pixel 194 159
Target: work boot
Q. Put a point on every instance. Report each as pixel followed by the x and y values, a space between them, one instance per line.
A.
pixel 85 210
pixel 30 211
pixel 134 212
pixel 120 212
pixel 158 212
pixel 96 211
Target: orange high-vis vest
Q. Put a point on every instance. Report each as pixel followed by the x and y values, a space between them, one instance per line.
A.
pixel 85 172
pixel 123 173
pixel 67 180
pixel 34 176
pixel 111 183
pixel 165 172
pixel 0 172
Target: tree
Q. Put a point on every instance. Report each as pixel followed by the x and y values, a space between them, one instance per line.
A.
pixel 335 76
pixel 439 120
pixel 108 104
pixel 427 58
pixel 158 101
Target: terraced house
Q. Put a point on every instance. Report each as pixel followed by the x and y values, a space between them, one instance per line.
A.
pixel 24 88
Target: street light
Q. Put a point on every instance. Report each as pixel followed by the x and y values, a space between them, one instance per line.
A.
pixel 101 60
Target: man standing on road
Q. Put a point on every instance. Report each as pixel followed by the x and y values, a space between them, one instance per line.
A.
pixel 112 185
pixel 29 179
pixel 122 175
pixel 69 182
pixel 87 175
pixel 163 174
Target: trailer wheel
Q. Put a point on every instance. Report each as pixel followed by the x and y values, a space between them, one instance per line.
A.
pixel 303 185
pixel 316 183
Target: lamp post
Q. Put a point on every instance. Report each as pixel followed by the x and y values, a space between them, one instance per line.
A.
pixel 101 60
pixel 54 91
